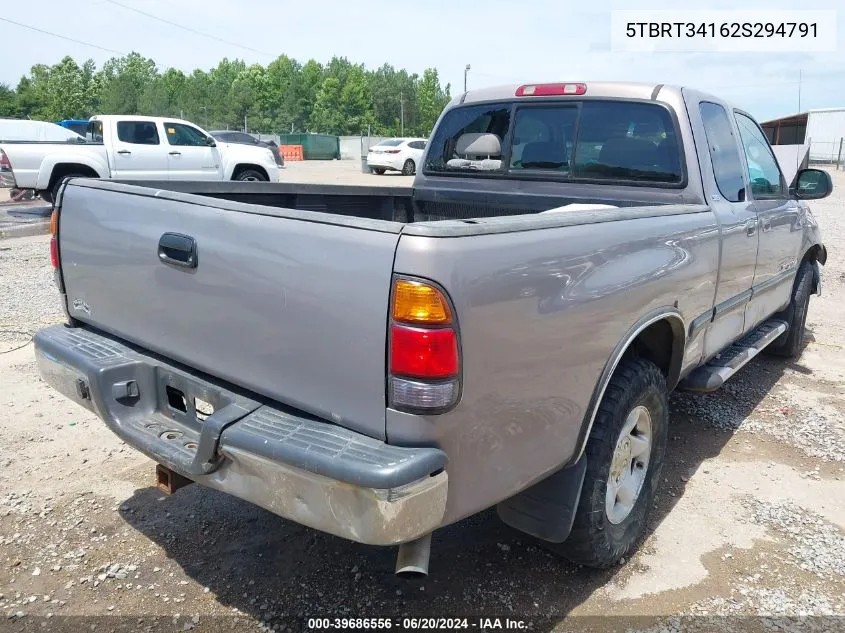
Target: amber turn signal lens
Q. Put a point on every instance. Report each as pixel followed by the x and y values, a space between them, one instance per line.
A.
pixel 415 302
pixel 54 222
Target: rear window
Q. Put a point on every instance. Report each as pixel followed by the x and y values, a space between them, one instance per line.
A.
pixel 470 139
pixel 590 140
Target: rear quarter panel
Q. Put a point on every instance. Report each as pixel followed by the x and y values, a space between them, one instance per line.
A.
pixel 93 156
pixel 33 163
pixel 540 313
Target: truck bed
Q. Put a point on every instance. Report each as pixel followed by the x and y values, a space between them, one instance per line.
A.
pixel 392 204
pixel 405 204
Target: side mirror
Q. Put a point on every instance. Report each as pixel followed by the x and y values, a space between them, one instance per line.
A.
pixel 210 141
pixel 812 184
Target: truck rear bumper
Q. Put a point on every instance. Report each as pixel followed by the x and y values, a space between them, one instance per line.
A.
pixel 294 465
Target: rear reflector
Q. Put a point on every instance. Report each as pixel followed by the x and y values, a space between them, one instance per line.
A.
pixel 420 353
pixel 422 395
pixel 415 302
pixel 54 222
pixel 550 90
pixel 54 252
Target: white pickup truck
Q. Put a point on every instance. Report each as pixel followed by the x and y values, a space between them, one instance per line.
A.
pixel 133 148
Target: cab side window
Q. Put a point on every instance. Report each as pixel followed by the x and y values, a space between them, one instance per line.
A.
pixel 95 131
pixel 763 171
pixel 724 152
pixel 137 132
pixel 184 135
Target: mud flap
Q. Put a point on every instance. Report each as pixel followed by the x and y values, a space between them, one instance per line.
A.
pixel 547 509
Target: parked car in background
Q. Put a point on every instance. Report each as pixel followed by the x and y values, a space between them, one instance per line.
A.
pixel 133 148
pixel 24 130
pixel 244 138
pixel 79 126
pixel 396 154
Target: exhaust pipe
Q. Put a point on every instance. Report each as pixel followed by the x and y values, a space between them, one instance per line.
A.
pixel 412 559
pixel 169 481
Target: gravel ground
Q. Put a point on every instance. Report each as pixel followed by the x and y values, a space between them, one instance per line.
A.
pixel 29 297
pixel 749 522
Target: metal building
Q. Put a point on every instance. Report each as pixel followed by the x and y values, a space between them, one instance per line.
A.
pixel 823 130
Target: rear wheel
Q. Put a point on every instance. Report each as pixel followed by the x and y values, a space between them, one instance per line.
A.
pixel 250 175
pixel 624 458
pixel 408 168
pixel 54 192
pixel 378 171
pixel 789 343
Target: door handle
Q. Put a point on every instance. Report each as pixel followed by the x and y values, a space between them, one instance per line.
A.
pixel 177 249
pixel 123 151
pixel 751 228
pixel 175 153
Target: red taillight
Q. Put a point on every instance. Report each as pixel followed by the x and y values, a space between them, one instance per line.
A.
pixel 423 353
pixel 424 358
pixel 550 90
pixel 54 252
pixel 392 151
pixel 5 163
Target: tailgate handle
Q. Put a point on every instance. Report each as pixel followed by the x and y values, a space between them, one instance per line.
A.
pixel 177 249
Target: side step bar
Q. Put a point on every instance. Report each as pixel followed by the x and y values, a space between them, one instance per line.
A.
pixel 713 375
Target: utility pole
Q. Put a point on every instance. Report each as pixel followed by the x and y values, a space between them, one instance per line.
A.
pixel 466 70
pixel 401 115
pixel 246 129
pixel 799 90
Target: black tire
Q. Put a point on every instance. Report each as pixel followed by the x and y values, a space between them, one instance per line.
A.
pixel 54 191
pixel 408 168
pixel 789 343
pixel 595 541
pixel 252 175
pixel 378 171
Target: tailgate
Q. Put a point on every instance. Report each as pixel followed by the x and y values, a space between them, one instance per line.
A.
pixel 288 307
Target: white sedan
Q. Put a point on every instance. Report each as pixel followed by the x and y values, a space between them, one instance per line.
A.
pixel 396 154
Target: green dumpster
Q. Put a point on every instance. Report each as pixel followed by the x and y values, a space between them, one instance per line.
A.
pixel 314 146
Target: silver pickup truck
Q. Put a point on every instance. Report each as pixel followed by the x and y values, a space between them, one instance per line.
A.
pixel 380 362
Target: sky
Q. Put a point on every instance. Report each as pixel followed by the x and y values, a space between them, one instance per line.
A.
pixel 503 41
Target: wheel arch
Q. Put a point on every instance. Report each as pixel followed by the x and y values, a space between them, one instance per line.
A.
pixel 248 166
pixel 62 169
pixel 647 338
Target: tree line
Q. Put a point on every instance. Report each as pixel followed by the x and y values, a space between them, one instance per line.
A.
pixel 334 98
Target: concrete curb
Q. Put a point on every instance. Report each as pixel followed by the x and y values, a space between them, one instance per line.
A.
pixel 25 230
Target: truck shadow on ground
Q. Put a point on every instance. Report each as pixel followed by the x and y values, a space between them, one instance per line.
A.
pixel 268 567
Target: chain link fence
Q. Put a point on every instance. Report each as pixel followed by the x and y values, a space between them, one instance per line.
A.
pixel 828 152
